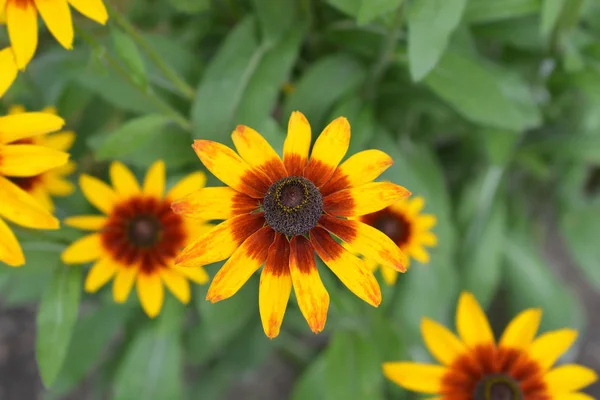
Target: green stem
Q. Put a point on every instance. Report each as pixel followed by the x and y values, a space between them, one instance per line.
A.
pixel 385 55
pixel 148 93
pixel 182 86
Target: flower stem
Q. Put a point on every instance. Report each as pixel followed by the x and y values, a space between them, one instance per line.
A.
pixel 183 87
pixel 146 92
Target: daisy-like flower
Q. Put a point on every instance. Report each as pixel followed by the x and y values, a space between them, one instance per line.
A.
pixel 407 227
pixel 475 367
pixel 52 182
pixel 137 239
pixel 280 212
pixel 21 161
pixel 9 69
pixel 22 22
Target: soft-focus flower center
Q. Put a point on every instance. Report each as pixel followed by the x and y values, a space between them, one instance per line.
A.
pixel 144 231
pixel 25 183
pixel 293 206
pixel 394 226
pixel 498 387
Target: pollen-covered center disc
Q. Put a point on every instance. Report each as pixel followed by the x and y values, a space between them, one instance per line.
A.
pixel 293 206
pixel 498 387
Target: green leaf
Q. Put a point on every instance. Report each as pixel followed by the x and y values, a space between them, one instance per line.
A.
pixel 190 6
pixel 370 10
pixel 130 136
pixel 499 145
pixel 152 365
pixel 311 384
pixel 480 11
pixel 483 94
pixel 551 10
pixel 276 17
pixel 55 321
pixel 352 368
pixel 349 7
pixel 323 83
pixel 430 24
pixel 243 80
pixel 579 225
pixel 128 52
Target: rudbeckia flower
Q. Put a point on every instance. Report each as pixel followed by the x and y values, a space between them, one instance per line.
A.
pixel 476 367
pixel 9 69
pixel 52 182
pixel 407 227
pixel 22 22
pixel 281 212
pixel 19 161
pixel 138 237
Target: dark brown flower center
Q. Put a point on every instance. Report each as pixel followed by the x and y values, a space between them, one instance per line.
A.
pixel 293 206
pixel 144 231
pixel 394 226
pixel 498 387
pixel 25 183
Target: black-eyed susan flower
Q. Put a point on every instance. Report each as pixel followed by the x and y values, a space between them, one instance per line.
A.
pixel 476 367
pixel 138 237
pixel 9 69
pixel 53 182
pixel 280 212
pixel 21 161
pixel 22 22
pixel 407 227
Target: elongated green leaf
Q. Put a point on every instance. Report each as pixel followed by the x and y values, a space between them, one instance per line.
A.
pixel 275 17
pixel 493 10
pixel 311 384
pixel 128 52
pixel 489 98
pixel 349 7
pixel 372 9
pixel 55 321
pixel 430 24
pixel 550 12
pixel 191 6
pixel 325 82
pixel 130 136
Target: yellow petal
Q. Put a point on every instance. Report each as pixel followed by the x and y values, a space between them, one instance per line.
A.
pixel 87 222
pixel 123 283
pixel 348 268
pixel 569 378
pixel 187 185
pixel 425 222
pixel 98 193
pixel 329 149
pixel 297 144
pixel 427 239
pixel 418 253
pixel 57 16
pixel 43 198
pixel 20 126
pixel 86 249
pixel 214 203
pixel 60 141
pixel 28 160
pixel 21 20
pixel 416 377
pixel 100 273
pixel 123 180
pixel 275 286
pixel 154 183
pixel 313 299
pixel 390 275
pixel 8 66
pixel 21 208
pixel 442 343
pixel 471 322
pixel 415 205
pixel 10 250
pixel 244 262
pixel 548 348
pixel 58 186
pixel 93 9
pixel 575 396
pixel 195 274
pixel 151 293
pixel 258 153
pixel 177 284
pixel 361 168
pixel 522 329
pixel 365 199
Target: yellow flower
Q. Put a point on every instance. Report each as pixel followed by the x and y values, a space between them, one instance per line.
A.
pixel 21 161
pixel 280 212
pixel 22 22
pixel 9 69
pixel 137 239
pixel 409 229
pixel 474 366
pixel 52 182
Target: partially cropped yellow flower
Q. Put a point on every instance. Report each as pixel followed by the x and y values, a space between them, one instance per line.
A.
pixel 475 367
pixel 8 69
pixel 407 227
pixel 138 237
pixel 52 182
pixel 22 161
pixel 22 22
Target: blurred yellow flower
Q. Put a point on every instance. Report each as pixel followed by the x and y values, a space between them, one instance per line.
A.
pixel 22 22
pixel 18 161
pixel 52 182
pixel 474 366
pixel 407 227
pixel 9 69
pixel 137 239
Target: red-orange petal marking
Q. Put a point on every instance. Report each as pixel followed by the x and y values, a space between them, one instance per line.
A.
pixel 365 199
pixel 258 153
pixel 297 144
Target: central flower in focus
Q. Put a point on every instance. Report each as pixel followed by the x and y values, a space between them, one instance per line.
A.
pixel 498 387
pixel 293 206
pixel 280 212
